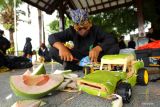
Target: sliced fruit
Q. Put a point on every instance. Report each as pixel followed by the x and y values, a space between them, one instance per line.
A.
pixel 28 72
pixel 35 80
pixel 39 70
pixel 35 86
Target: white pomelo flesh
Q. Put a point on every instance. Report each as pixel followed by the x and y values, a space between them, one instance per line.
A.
pixel 28 72
pixel 27 103
pixel 35 86
pixel 39 70
pixel 35 80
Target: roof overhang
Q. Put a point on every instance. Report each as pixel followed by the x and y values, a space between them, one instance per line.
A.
pixel 93 6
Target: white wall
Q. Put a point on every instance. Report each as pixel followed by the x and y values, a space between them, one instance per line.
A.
pixel 32 30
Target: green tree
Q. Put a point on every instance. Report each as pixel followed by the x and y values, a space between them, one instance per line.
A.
pixel 7 16
pixel 54 25
pixel 151 12
pixel 120 21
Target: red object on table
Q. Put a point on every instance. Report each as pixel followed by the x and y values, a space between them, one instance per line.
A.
pixel 151 45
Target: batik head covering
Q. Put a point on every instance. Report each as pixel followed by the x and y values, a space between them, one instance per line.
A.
pixel 80 18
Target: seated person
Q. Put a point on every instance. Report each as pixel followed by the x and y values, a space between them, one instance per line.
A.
pixel 27 50
pixel 11 62
pixel 43 53
pixel 150 35
pixel 153 35
pixel 88 39
pixel 4 45
pixel 132 44
pixel 122 44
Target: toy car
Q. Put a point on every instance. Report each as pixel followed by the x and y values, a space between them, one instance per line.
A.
pixel 117 74
pixel 90 68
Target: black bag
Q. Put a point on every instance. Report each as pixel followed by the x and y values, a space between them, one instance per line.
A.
pixel 14 62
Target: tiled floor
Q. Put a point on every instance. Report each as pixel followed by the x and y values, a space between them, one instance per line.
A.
pixel 143 96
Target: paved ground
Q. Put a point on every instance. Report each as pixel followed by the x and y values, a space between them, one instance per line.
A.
pixel 143 96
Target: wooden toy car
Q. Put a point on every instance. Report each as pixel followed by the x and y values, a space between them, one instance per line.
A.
pixel 117 74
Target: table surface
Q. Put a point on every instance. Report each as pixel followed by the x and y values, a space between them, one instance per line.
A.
pixel 143 96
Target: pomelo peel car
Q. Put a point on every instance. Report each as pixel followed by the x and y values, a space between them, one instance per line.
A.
pixel 117 74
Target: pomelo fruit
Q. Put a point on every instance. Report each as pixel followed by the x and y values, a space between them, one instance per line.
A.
pixel 39 70
pixel 35 86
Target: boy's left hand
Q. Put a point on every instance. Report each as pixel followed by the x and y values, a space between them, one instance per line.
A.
pixel 94 53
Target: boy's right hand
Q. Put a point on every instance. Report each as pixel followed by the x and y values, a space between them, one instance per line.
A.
pixel 65 54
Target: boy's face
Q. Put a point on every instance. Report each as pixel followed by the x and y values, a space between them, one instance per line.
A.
pixel 83 28
pixel 83 32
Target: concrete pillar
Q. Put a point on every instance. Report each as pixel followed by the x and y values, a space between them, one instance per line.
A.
pixel 40 26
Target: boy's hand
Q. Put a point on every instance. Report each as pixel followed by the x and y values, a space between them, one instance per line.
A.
pixel 94 53
pixel 64 52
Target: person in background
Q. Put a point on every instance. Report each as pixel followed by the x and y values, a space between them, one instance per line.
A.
pixel 10 62
pixel 122 44
pixel 4 45
pixel 44 53
pixel 27 50
pixel 150 35
pixel 88 39
pixel 131 44
pixel 153 34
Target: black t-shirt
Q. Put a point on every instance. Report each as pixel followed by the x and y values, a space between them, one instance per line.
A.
pixel 122 44
pixel 94 37
pixel 131 44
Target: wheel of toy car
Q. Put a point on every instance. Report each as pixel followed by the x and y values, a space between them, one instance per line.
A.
pixel 86 70
pixel 142 76
pixel 125 91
